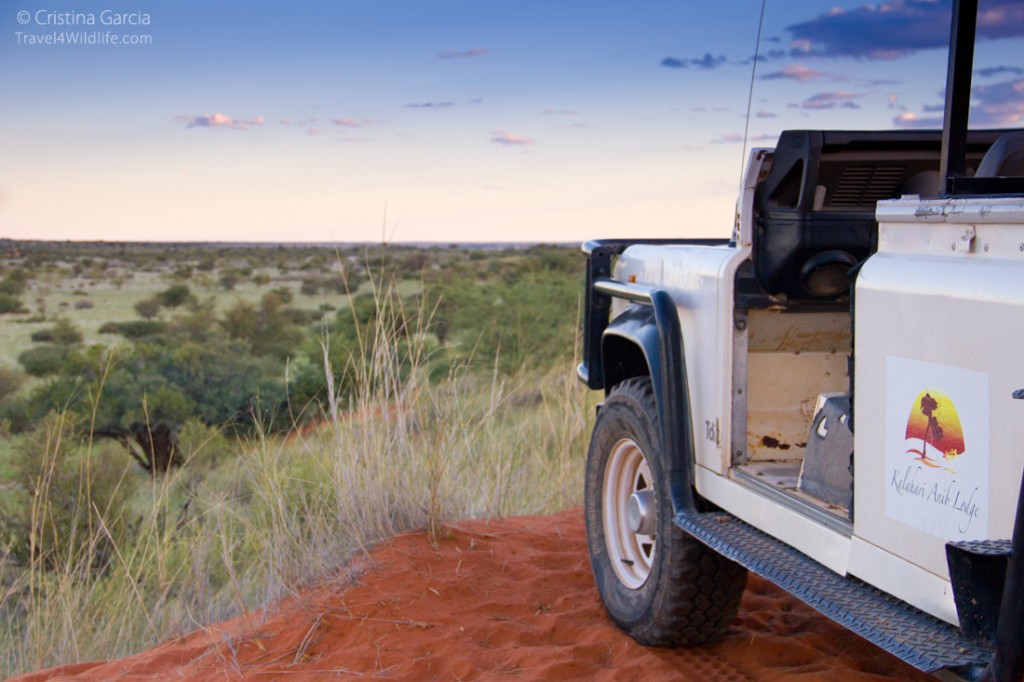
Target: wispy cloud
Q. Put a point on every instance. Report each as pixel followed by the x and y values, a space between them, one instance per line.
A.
pixel 999 71
pixel 708 61
pixel 896 28
pixel 999 104
pixel 559 112
pixel 764 114
pixel 731 138
pixel 993 105
pixel 830 100
pixel 219 120
pixel 429 105
pixel 355 122
pixel 507 139
pixel 463 54
pixel 909 119
pixel 795 72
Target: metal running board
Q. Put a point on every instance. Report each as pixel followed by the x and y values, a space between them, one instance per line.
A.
pixel 917 638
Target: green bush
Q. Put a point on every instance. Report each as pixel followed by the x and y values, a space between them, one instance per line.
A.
pixel 44 360
pixel 14 282
pixel 140 329
pixel 11 304
pixel 65 496
pixel 175 295
pixel 148 308
pixel 11 381
pixel 202 444
pixel 63 333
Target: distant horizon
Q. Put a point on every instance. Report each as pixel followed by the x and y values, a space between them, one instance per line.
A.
pixel 420 243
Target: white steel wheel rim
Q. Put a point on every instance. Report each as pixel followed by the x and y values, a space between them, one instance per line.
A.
pixel 631 554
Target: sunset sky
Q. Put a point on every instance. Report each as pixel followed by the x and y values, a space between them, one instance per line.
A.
pixel 450 120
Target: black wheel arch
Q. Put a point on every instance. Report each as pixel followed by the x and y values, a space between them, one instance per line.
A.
pixel 645 339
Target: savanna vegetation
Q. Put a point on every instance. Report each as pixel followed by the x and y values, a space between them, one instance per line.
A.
pixel 189 432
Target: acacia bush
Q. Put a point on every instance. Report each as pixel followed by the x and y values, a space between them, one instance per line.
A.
pixel 138 329
pixel 10 303
pixel 175 295
pixel 11 381
pixel 64 332
pixel 45 360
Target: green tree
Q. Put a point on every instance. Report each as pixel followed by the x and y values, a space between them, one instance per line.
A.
pixel 142 395
pixel 175 295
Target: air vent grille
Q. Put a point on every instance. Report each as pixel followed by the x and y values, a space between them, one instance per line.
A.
pixel 861 186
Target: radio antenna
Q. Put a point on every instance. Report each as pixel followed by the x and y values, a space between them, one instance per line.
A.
pixel 750 94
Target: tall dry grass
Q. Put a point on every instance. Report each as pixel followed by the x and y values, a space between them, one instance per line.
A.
pixel 211 542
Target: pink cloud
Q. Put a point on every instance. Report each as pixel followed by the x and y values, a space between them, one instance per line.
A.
pixel 831 100
pixel 909 119
pixel 354 122
pixel 795 72
pixel 507 139
pixel 1000 104
pixel 463 54
pixel 219 120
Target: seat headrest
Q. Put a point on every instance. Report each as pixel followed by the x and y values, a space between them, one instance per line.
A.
pixel 1005 158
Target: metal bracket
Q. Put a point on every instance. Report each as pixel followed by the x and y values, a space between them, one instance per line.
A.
pixel 965 244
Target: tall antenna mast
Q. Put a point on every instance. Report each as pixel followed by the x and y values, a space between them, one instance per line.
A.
pixel 750 94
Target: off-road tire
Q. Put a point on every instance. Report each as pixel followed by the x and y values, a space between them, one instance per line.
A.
pixel 691 593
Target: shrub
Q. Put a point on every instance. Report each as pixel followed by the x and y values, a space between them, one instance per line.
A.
pixel 84 305
pixel 109 328
pixel 228 280
pixel 11 381
pixel 66 333
pixel 11 304
pixel 138 329
pixel 44 360
pixel 202 444
pixel 66 496
pixel 175 295
pixel 42 335
pixel 148 308
pixel 14 282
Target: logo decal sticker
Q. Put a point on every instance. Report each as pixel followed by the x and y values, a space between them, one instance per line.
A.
pixel 933 421
pixel 937 448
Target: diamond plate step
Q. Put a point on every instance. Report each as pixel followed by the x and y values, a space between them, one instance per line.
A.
pixel 921 640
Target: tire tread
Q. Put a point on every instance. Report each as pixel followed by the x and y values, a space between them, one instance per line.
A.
pixel 698 592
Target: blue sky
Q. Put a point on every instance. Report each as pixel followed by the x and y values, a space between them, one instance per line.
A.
pixel 445 121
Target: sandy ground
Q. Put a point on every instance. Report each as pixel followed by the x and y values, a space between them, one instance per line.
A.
pixel 509 599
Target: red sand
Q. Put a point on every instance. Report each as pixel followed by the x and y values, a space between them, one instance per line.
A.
pixel 511 598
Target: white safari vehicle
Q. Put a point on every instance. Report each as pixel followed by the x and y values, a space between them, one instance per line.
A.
pixel 826 399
